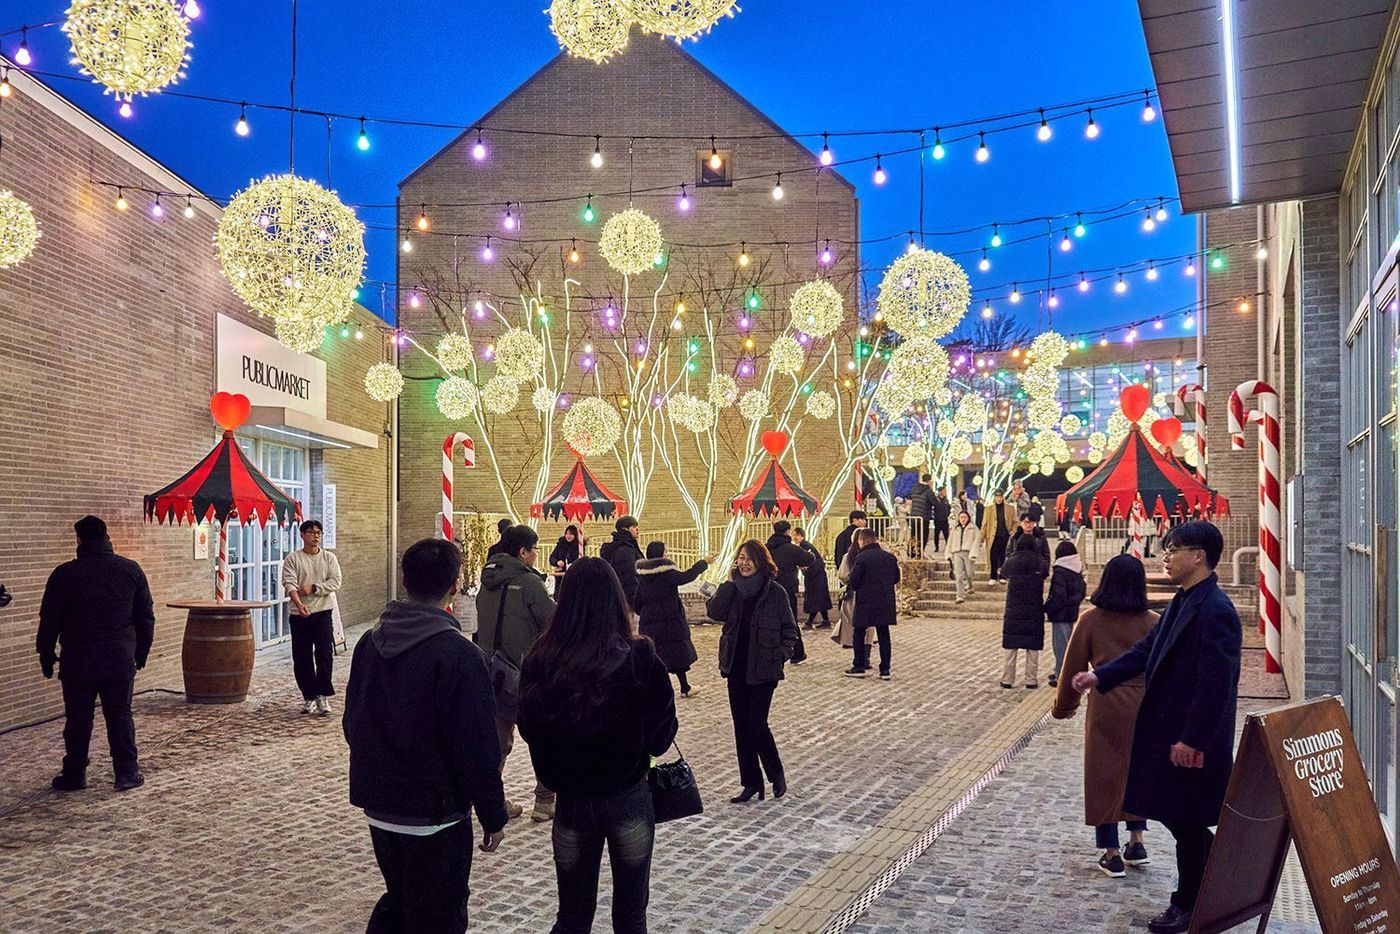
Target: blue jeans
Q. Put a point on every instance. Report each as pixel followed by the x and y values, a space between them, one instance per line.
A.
pixel 1106 835
pixel 627 823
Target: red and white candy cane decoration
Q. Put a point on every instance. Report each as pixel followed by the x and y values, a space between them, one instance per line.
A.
pixel 1270 515
pixel 1197 393
pixel 468 460
pixel 221 574
pixel 1136 521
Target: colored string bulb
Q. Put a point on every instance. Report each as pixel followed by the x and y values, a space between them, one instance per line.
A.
pixel 573 252
pixel 363 142
pixel 938 151
pixel 1079 228
pixel 589 215
pixel 1043 133
pixel 778 188
pixel 826 257
pixel 1217 261
pixel 826 157
pixel 241 127
pixel 744 323
pixel 753 300
pixel 479 147
pixel 983 153
pixel 597 158
pixel 984 264
pixel 509 221
pixel 683 202
pixel 996 235
pixel 423 217
pixel 1091 129
pixel 880 175
pixel 1148 113
pixel 488 254
pixel 124 109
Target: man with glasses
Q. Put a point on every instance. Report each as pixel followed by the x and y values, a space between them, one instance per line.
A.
pixel 512 608
pixel 310 577
pixel 1183 745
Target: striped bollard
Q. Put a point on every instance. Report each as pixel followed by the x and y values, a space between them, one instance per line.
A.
pixel 468 460
pixel 1270 513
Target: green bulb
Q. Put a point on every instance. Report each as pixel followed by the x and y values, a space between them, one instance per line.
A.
pixel 694 347
pixel 691 366
pixel 753 299
pixel 544 318
pixel 938 151
pixel 659 261
pixel 1218 262
pixel 1079 230
pixel 588 214
pixel 363 142
pixel 345 332
pixel 807 389
pixel 996 239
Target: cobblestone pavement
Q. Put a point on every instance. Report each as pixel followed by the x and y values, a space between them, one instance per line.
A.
pixel 1021 859
pixel 244 821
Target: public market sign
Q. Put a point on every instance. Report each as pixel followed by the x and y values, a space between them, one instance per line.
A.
pixel 268 373
pixel 1298 777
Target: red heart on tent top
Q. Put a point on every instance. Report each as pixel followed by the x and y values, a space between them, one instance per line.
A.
pixel 1166 431
pixel 774 442
pixel 1134 399
pixel 229 409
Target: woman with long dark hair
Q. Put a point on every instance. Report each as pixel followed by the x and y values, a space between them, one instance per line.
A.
pixel 567 550
pixel 1118 619
pixel 661 615
pixel 759 636
pixel 595 706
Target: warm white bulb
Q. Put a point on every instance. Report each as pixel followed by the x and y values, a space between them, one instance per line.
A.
pixel 1044 133
pixel 982 153
pixel 778 191
pixel 1092 130
pixel 1262 253
pixel 597 158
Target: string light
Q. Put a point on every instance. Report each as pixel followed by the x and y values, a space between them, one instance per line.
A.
pixel 1262 253
pixel 778 188
pixel 597 159
pixel 826 258
pixel 1189 322
pixel 1054 300
pixel 509 222
pixel 1148 224
pixel 1044 132
pixel 826 156
pixel 241 127
pixel 192 9
pixel 912 247
pixel 124 109
pixel 683 203
pixel 589 215
pixel 363 142
pixel 880 175
pixel 983 153
pixel 987 311
pixel 1148 114
pixel 121 201
pixel 1244 306
pixel 157 209
pixel 1079 228
pixel 1015 293
pixel 1091 129
pixel 716 162
pixel 479 147
pixel 573 251
pixel 22 55
pixel 1157 325
pixel 996 235
pixel 1083 283
pixel 938 151
pixel 488 254
pixel 5 89
pixel 1217 260
pixel 984 264
pixel 189 208
pixel 406 245
pixel 1190 269
pixel 1162 210
pixel 423 217
pixel 743 254
pixel 1151 271
pixel 1121 285
pixel 1065 243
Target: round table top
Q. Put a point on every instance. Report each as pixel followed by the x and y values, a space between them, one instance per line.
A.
pixel 221 604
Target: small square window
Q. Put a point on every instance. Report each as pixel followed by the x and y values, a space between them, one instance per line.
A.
pixel 706 173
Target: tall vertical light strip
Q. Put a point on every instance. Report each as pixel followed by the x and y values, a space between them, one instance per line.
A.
pixel 1232 95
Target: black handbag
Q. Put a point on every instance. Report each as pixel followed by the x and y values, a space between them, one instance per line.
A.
pixel 505 673
pixel 674 793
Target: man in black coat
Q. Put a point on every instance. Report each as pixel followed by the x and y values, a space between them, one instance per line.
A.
pixel 921 507
pixel 1028 528
pixel 942 513
pixel 858 520
pixel 98 609
pixel 789 557
pixel 874 574
pixel 623 553
pixel 499 545
pixel 420 720
pixel 1183 744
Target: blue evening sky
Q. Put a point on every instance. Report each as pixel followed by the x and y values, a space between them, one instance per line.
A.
pixel 811 67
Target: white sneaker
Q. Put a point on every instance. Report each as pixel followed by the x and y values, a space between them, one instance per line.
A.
pixel 323 706
pixel 311 706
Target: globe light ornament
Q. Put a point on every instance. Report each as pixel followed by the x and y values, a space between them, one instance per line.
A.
pixel 821 405
pixel 291 250
pixel 754 405
pixel 679 19
pixel 592 29
pixel 924 294
pixel 893 397
pixel 543 399
pixel 816 308
pixel 960 449
pixel 519 355
pixel 1043 414
pixel 913 456
pixel 785 355
pixel 301 336
pixel 454 352
pixel 383 382
pixel 630 242
pixel 920 365
pixel 1049 349
pixel 500 395
pixel 19 232
pixel 723 391
pixel 129 47
pixel 456 397
pixel 887 472
pixel 1071 424
pixel 943 396
pixel 592 426
pixel 1074 473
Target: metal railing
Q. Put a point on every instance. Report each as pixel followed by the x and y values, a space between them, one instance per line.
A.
pixel 683 545
pixel 1104 538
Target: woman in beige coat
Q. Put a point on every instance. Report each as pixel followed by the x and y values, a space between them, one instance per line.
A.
pixel 1119 619
pixel 844 635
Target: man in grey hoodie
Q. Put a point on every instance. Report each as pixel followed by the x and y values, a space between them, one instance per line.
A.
pixel 420 722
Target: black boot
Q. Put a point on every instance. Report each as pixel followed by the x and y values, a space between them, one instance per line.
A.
pixel 69 781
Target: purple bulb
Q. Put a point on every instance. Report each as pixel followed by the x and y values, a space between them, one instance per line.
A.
pixel 563 402
pixel 826 257
pixel 157 210
pixel 479 150
pixel 641 347
pixel 487 253
pixel 509 221
pixel 587 362
pixel 684 203
pixel 487 353
pixel 804 339
pixel 656 400
pixel 744 323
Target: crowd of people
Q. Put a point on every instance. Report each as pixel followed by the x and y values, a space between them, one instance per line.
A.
pixel 435 699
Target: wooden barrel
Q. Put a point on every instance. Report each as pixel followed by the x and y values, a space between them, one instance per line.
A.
pixel 218 654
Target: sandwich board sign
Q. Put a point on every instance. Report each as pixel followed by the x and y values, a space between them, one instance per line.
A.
pixel 1298 777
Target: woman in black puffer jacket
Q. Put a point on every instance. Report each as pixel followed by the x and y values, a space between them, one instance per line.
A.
pixel 661 615
pixel 1023 624
pixel 759 636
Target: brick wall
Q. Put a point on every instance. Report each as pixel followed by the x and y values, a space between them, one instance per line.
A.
pixel 106 368
pixel 655 88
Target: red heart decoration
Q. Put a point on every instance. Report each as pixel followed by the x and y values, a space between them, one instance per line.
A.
pixel 229 409
pixel 1166 431
pixel 1134 399
pixel 774 442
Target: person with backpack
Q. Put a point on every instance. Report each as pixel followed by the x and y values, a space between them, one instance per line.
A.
pixel 661 615
pixel 512 608
pixel 1062 605
pixel 596 707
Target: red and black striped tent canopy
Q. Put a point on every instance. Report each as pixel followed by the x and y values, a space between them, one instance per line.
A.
pixel 1137 469
pixel 774 494
pixel 579 497
pixel 224 485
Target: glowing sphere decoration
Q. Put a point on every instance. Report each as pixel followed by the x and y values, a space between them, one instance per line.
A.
pixel 887 473
pixel 592 29
pixel 754 405
pixel 971 413
pixel 924 294
pixel 821 405
pixel 960 449
pixel 785 355
pixel 943 396
pixel 1074 474
pixel 1047 467
pixel 543 399
pixel 500 395
pixel 454 352
pixel 1040 381
pixel 129 47
pixel 893 397
pixel 519 355
pixel 291 250
pixel 693 414
pixel 630 242
pixel 816 308
pixel 1043 414
pixel 456 397
pixel 679 19
pixel 920 365
pixel 1095 457
pixel 383 382
pixel 913 456
pixel 723 391
pixel 1049 349
pixel 301 336
pixel 19 232
pixel 592 426
pixel 1071 424
pixel 1097 439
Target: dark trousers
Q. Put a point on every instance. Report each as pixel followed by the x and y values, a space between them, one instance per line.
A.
pixel 313 653
pixel 425 881
pixel 1193 843
pixel 78 700
pixel 1106 835
pixel 940 532
pixel 753 740
pixel 627 823
pixel 882 636
pixel 998 554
